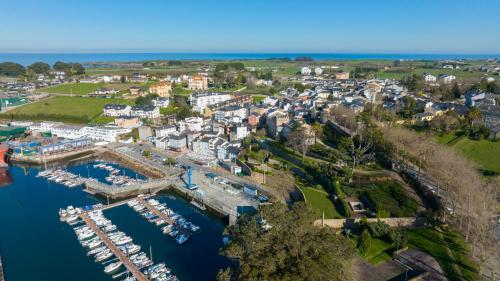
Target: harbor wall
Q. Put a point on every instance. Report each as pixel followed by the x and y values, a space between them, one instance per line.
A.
pixel 45 159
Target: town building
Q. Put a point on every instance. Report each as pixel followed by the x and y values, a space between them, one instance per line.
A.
pixel 162 89
pixel 305 70
pixel 104 133
pixel 116 110
pixel 145 111
pixel 161 102
pixel 165 130
pixel 199 101
pixel 275 121
pixel 198 83
pixel 342 75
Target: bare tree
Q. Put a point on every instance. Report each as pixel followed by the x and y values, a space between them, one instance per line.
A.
pixel 300 139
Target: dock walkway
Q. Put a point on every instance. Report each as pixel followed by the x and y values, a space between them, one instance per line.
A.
pixel 139 276
pixel 155 211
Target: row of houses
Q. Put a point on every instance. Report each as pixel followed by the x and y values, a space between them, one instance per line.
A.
pixel 141 111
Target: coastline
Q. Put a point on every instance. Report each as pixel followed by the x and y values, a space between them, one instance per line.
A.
pixel 95 57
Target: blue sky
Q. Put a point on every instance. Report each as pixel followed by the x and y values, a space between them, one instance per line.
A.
pixel 385 26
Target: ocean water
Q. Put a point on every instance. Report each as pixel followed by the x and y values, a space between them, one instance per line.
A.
pixel 50 58
pixel 36 246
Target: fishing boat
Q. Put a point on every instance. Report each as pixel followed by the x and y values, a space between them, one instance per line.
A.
pixel 112 267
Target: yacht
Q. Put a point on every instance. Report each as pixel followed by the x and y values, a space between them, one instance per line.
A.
pixel 181 239
pixel 112 267
pixel 122 240
pixel 95 244
pixel 130 249
pixel 103 256
pixel 173 233
pixel 86 235
pixel 97 251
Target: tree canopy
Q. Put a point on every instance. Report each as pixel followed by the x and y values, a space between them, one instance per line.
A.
pixel 11 69
pixel 39 67
pixel 290 248
pixel 69 68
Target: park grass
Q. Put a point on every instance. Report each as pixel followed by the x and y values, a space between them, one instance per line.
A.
pixel 388 198
pixel 72 88
pixel 181 91
pixel 378 251
pixel 64 109
pixel 258 98
pixel 448 248
pixel 102 120
pixel 485 153
pixel 171 109
pixel 319 199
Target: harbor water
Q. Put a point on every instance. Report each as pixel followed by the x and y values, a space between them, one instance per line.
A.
pixel 35 245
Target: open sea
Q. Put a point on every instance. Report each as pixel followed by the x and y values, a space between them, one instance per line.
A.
pixel 51 58
pixel 36 246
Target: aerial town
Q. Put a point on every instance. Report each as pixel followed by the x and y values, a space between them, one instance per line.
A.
pixel 250 140
pixel 232 138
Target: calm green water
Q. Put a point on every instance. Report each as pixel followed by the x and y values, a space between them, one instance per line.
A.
pixel 35 245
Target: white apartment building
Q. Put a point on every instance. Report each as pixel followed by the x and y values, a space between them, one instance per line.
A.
pixel 199 101
pixel 165 130
pixel 192 124
pixel 305 70
pixel 67 131
pixel 145 111
pixel 116 110
pixel 104 133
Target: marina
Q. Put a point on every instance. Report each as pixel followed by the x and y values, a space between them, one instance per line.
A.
pixel 98 230
pixel 158 213
pixel 35 201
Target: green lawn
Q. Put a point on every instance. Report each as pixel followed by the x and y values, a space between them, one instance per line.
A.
pixel 63 108
pixel 100 120
pixel 483 152
pixel 181 91
pixel 258 98
pixel 378 251
pixel 72 88
pixel 455 262
pixel 388 198
pixel 319 199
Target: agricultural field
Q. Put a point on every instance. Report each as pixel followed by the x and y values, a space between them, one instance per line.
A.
pixel 63 108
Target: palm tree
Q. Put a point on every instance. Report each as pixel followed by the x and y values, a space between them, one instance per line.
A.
pixel 169 161
pixel 473 115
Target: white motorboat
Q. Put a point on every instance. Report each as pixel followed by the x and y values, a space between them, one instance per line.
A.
pixel 97 250
pixel 181 239
pixel 103 256
pixel 112 267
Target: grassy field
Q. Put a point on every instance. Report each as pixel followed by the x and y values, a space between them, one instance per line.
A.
pixel 72 88
pixel 62 108
pixel 448 248
pixel 388 198
pixel 378 251
pixel 483 152
pixel 320 200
